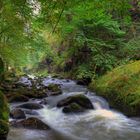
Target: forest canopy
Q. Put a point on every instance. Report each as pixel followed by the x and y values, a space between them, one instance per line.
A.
pixel 33 32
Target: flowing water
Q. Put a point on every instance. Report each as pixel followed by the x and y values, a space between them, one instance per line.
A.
pixel 102 123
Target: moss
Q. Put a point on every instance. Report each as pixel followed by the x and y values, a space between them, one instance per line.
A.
pixel 121 87
pixel 4 116
pixel 53 87
pixel 73 107
pixel 4 109
pixel 41 73
pixel 17 98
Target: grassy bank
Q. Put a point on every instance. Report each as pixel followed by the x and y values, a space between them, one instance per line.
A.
pixel 121 87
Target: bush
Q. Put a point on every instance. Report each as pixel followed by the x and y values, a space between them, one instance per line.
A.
pixel 132 49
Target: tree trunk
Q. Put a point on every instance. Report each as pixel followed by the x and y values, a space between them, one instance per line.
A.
pixel 1 70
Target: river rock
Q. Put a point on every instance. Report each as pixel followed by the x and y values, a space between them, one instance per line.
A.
pixel 81 82
pixel 30 106
pixel 5 87
pixel 17 98
pixel 44 102
pixel 19 85
pixel 17 114
pixel 73 108
pixel 54 89
pixel 80 99
pixel 35 93
pixel 67 80
pixel 54 93
pixel 31 123
pixel 31 112
pixel 84 82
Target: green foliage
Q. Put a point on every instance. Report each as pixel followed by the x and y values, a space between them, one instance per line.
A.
pixel 90 25
pixel 21 41
pixel 41 73
pixel 84 72
pixel 121 87
pixel 4 110
pixel 4 115
pixel 93 35
pixel 24 56
pixel 132 49
pixel 89 33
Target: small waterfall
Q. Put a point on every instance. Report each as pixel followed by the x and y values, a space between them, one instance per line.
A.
pixel 97 105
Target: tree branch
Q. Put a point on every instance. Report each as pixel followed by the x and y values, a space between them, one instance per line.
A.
pixel 55 26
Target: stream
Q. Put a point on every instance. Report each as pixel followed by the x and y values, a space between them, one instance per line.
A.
pixel 101 123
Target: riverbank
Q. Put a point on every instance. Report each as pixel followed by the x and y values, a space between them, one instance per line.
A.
pixel 121 88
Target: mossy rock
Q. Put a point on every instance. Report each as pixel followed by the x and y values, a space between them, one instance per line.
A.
pixel 17 114
pixel 17 98
pixel 31 106
pixel 31 123
pixel 73 108
pixel 4 109
pixel 121 87
pixel 37 94
pixel 54 88
pixel 80 99
pixel 24 94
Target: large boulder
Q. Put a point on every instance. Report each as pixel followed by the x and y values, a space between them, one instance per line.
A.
pixel 35 93
pixel 73 108
pixel 31 112
pixel 54 89
pixel 17 114
pixel 80 100
pixel 31 106
pixel 17 98
pixel 31 123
